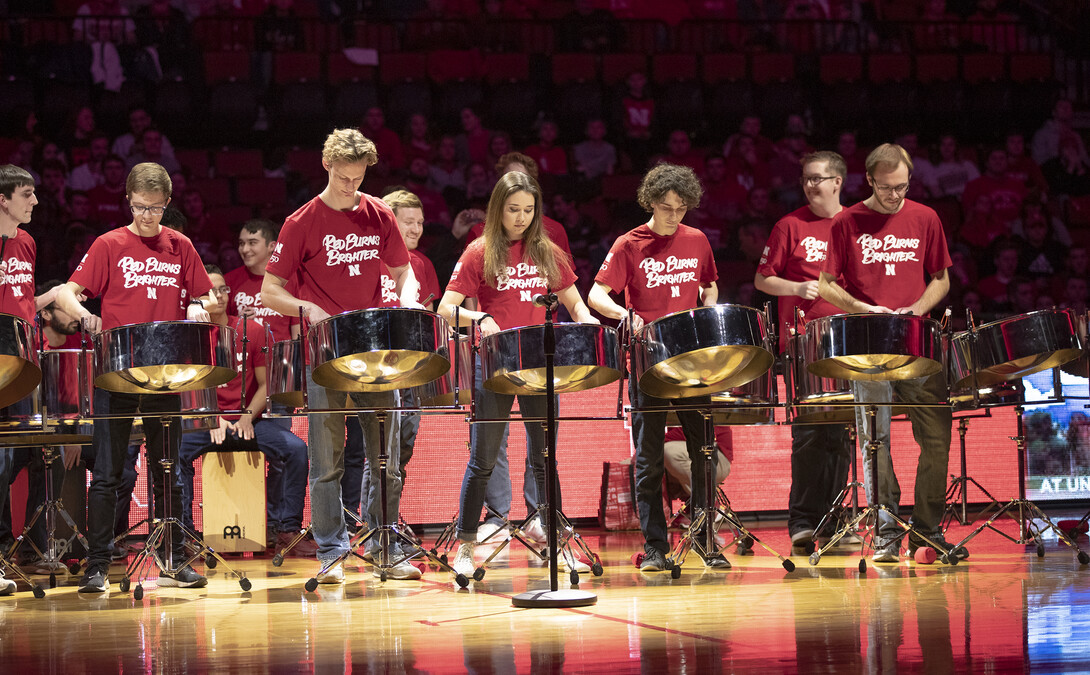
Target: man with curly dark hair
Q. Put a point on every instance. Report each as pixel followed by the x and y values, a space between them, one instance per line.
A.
pixel 663 266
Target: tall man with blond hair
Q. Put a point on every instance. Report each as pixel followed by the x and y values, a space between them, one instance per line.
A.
pixel 331 248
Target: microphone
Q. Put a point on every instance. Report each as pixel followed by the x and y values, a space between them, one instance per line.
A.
pixel 544 299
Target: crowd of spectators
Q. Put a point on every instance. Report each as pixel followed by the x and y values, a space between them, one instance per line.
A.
pixel 1004 206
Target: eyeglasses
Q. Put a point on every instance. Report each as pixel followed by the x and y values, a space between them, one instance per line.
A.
pixel 814 181
pixel 141 210
pixel 222 290
pixel 891 189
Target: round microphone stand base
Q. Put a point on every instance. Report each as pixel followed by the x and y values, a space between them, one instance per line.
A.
pixel 558 599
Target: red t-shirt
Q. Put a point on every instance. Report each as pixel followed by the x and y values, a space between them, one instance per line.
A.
pixel 511 302
pixel 70 342
pixel 17 286
pixel 1006 193
pixel 724 439
pixel 553 161
pixel 553 229
pixel 142 279
pixel 229 395
pixel 334 255
pixel 638 113
pixel 796 251
pixel 246 292
pixel 883 258
pixel 643 264
pixel 424 271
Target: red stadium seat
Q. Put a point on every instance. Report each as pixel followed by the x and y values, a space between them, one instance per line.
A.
pixel 574 68
pixel 296 67
pixel 616 67
pixel 339 70
pixel 936 67
pixel 214 191
pixel 196 161
pixel 669 68
pixel 261 191
pixel 882 68
pixel 446 65
pixel 402 67
pixel 1032 68
pixel 841 68
pixel 226 67
pixel 983 67
pixel 723 68
pixel 506 67
pixel 238 163
pixel 773 68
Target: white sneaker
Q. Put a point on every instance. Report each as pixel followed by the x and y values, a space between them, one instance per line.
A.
pixel 463 560
pixel 534 531
pixel 334 575
pixel 403 570
pixel 491 532
pixel 570 562
pixel 7 586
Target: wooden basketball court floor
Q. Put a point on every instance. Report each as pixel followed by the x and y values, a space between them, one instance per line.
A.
pixel 1002 610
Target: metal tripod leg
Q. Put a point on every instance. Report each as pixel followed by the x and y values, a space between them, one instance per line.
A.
pixel 164 532
pixel 873 512
pixel 847 498
pixel 387 533
pixel 957 495
pixel 1025 512
pixel 278 559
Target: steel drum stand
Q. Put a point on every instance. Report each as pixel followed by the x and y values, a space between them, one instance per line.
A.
pixel 278 558
pixel 700 536
pixel 957 495
pixel 848 498
pixel 387 533
pixel 51 508
pixel 873 511
pixel 1024 512
pixel 163 532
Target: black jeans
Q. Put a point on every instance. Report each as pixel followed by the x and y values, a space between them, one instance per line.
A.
pixel 110 444
pixel 821 456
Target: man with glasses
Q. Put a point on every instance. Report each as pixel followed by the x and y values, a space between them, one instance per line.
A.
pixel 142 272
pixel 881 252
pixel 663 266
pixel 789 268
pixel 250 430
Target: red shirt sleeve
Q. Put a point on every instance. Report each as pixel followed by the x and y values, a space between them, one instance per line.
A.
pixel 468 272
pixel 938 255
pixel 774 258
pixel 289 250
pixel 393 253
pixel 709 273
pixel 833 258
pixel 197 281
pixel 615 271
pixel 93 271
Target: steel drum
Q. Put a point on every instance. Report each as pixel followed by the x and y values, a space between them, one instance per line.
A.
pixel 378 349
pixel 1012 348
pixel 873 347
pixel 164 357
pixel 587 356
pixel 820 394
pixel 759 392
pixel 440 391
pixel 993 396
pixel 194 401
pixel 702 351
pixel 1080 367
pixel 285 373
pixel 19 371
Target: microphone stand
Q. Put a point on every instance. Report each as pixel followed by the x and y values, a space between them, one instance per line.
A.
pixel 553 597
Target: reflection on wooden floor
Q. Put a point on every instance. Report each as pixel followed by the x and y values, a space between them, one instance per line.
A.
pixel 1003 610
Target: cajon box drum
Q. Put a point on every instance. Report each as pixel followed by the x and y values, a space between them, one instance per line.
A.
pixel 233 501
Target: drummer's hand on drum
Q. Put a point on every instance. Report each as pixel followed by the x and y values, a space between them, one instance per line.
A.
pixel 315 313
pixel 92 324
pixel 244 428
pixel 220 433
pixel 197 313
pixel 904 310
pixel 807 290
pixel 637 322
pixel 879 309
pixel 488 326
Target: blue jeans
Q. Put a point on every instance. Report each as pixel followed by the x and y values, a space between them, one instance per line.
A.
pixel 355 461
pixel 648 435
pixel 326 436
pixel 276 443
pixel 497 495
pixel 930 428
pixel 110 445
pixel 485 440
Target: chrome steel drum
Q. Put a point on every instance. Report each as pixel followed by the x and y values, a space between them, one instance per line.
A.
pixel 513 360
pixel 19 371
pixel 440 391
pixel 65 380
pixel 758 392
pixel 378 349
pixel 1080 367
pixel 1012 348
pixel 285 373
pixel 702 351
pixel 164 357
pixel 873 346
pixel 993 396
pixel 820 394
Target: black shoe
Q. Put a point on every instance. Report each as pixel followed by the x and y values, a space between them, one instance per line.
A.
pixel 186 577
pixel 944 547
pixel 717 561
pixel 654 560
pixel 95 580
